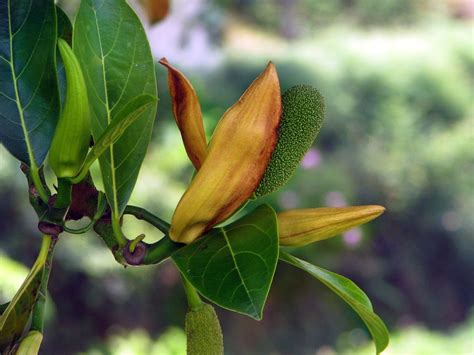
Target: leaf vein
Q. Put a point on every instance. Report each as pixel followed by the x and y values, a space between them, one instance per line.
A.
pixel 24 21
pixel 32 51
pixel 238 270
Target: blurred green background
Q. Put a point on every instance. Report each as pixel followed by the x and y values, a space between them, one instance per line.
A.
pixel 398 80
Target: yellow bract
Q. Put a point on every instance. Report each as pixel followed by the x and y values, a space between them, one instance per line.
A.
pixel 187 112
pixel 304 226
pixel 237 157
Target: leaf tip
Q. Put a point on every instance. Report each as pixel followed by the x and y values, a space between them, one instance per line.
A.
pixel 271 70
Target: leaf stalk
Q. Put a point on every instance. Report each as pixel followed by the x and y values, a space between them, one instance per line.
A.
pixel 37 319
pixel 194 300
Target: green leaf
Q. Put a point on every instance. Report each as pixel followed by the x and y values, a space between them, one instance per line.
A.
pixel 234 266
pixel 350 293
pixel 15 317
pixel 64 32
pixel 129 114
pixel 113 50
pixel 29 100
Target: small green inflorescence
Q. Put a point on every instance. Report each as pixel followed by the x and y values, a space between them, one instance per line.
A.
pixel 72 136
pixel 203 331
pixel 302 117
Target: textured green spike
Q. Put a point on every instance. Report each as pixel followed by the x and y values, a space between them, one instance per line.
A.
pixel 301 120
pixel 203 331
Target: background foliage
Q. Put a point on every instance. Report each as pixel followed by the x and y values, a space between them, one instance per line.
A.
pixel 397 77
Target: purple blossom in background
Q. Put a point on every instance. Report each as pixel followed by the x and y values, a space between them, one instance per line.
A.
pixel 288 200
pixel 352 237
pixel 335 199
pixel 451 221
pixel 312 159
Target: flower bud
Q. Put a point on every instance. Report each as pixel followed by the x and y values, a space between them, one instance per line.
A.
pixel 304 226
pixel 71 138
pixel 30 345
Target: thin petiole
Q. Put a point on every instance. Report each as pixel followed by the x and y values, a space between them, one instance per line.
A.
pixel 34 173
pixel 194 300
pixel 119 236
pixel 161 250
pixel 37 319
pixel 143 214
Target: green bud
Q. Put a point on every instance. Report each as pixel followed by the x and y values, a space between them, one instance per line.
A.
pixel 203 331
pixel 30 345
pixel 71 138
pixel 302 118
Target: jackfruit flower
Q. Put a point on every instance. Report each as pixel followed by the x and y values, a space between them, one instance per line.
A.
pixel 254 150
pixel 232 166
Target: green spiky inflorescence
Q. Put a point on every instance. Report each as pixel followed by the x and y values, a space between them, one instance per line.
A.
pixel 203 332
pixel 301 119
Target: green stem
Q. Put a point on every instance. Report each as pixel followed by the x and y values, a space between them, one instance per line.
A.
pixel 82 174
pixel 143 214
pixel 63 197
pixel 194 300
pixel 37 319
pixel 121 240
pixel 134 243
pixel 103 227
pixel 35 177
pixel 161 250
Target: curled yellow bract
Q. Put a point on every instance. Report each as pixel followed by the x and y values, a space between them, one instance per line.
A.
pixel 236 160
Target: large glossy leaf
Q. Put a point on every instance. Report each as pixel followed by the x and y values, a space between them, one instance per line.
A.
pixel 64 32
pixel 129 114
pixel 29 100
pixel 113 50
pixel 15 317
pixel 234 266
pixel 349 292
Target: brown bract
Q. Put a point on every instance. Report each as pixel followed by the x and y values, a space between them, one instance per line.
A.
pixel 303 226
pixel 187 113
pixel 237 157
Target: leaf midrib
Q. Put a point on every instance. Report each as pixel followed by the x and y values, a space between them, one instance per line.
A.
pixel 111 148
pixel 238 271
